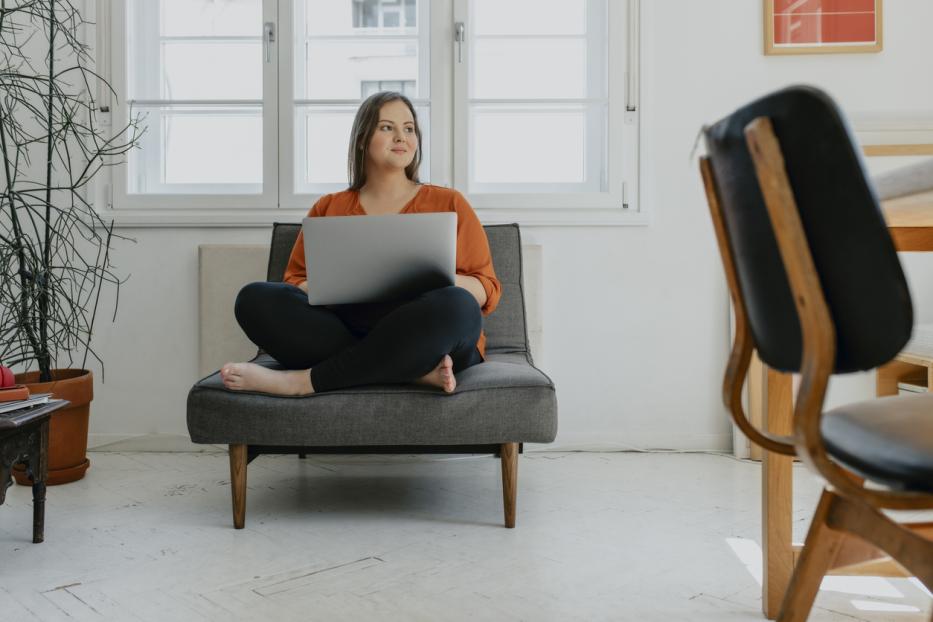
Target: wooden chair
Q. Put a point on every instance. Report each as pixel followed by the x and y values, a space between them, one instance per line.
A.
pixel 818 289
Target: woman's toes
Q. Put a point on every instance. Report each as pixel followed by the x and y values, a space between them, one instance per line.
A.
pixel 232 375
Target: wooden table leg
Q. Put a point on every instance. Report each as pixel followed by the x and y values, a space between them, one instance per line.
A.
pixel 776 498
pixel 39 465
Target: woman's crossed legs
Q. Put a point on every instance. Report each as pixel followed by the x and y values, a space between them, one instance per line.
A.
pixel 425 340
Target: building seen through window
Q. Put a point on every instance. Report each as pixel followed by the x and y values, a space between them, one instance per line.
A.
pixel 384 14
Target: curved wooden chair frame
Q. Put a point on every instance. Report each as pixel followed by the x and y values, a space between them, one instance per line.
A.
pixel 846 505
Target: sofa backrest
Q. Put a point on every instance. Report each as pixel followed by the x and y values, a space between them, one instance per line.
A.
pixel 505 327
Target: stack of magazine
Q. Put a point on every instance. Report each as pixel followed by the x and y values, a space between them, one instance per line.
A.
pixel 28 402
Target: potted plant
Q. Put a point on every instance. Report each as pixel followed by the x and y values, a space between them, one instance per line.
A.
pixel 54 246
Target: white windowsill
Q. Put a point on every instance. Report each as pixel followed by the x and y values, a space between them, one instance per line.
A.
pixel 225 218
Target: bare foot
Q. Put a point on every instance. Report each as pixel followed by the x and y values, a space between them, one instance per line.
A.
pixel 441 376
pixel 253 377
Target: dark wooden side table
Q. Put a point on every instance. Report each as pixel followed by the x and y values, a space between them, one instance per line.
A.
pixel 24 437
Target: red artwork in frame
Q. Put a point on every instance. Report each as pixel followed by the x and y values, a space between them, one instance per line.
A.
pixel 822 26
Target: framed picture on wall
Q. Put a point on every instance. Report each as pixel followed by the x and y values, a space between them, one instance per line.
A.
pixel 822 26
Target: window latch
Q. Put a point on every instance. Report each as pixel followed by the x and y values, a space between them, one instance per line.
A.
pixel 459 37
pixel 268 31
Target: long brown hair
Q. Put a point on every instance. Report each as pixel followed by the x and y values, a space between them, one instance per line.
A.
pixel 364 126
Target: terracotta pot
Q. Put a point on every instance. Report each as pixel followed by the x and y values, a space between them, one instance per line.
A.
pixel 68 426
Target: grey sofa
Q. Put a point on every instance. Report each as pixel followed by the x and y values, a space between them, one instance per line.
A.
pixel 498 404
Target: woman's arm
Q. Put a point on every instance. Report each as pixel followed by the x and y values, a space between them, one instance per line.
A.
pixel 469 283
pixel 296 271
pixel 475 272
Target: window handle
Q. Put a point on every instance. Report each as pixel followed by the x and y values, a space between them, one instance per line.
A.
pixel 268 31
pixel 459 37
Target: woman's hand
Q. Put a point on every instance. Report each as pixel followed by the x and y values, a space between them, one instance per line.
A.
pixel 303 286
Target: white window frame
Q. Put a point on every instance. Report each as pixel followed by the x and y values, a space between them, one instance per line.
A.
pixel 180 209
pixel 619 205
pixel 448 109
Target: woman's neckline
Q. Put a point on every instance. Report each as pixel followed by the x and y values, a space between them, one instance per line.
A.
pixel 359 204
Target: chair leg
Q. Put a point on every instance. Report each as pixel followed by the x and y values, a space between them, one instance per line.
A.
pixel 817 555
pixel 509 453
pixel 238 484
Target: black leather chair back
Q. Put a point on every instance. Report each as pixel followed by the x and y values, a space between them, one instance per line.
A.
pixel 852 250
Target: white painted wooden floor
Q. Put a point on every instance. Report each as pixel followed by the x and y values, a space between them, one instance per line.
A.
pixel 599 536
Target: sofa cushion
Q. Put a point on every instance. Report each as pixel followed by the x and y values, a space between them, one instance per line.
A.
pixel 504 399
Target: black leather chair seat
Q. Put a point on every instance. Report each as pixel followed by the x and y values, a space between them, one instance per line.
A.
pixel 887 440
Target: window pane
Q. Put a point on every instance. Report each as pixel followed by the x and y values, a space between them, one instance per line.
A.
pixel 211 148
pixel 198 150
pixel 554 68
pixel 518 144
pixel 323 145
pixel 194 49
pixel 528 146
pixel 227 18
pixel 336 69
pixel 327 142
pixel 207 70
pixel 528 17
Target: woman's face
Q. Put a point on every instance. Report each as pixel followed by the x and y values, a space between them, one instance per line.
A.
pixel 394 142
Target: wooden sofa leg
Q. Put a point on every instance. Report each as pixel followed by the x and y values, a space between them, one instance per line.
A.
pixel 238 484
pixel 509 453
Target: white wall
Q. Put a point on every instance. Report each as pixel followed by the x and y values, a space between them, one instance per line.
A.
pixel 635 318
pixel 708 62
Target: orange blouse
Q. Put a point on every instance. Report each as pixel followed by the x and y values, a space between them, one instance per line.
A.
pixel 473 256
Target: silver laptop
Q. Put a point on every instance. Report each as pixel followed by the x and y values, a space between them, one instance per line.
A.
pixel 353 259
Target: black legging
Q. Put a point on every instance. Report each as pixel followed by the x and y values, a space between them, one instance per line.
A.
pixel 351 345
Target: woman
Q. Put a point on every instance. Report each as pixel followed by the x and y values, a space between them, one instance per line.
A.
pixel 426 340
